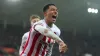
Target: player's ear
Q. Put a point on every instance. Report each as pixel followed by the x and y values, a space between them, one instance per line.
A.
pixel 44 13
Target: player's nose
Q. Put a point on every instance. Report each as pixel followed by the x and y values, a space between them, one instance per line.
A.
pixel 55 12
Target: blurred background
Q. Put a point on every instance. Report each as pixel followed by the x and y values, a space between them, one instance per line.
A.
pixel 79 21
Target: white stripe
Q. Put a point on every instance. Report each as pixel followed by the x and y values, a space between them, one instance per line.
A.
pixel 47 39
pixel 41 50
pixel 36 45
pixel 46 49
pixel 30 42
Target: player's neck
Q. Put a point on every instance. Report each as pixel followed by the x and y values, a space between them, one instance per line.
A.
pixel 48 23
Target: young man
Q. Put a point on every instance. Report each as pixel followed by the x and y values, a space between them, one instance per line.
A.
pixel 44 34
pixel 33 19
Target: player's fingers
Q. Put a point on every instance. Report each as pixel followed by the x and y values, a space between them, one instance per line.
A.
pixel 64 49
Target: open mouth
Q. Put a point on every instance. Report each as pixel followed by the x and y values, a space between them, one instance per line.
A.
pixel 54 17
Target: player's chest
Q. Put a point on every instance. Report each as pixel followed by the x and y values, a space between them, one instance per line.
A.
pixel 47 41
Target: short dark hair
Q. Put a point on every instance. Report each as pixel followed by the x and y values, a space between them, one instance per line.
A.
pixel 46 7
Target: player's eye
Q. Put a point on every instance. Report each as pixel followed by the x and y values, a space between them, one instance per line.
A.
pixel 34 21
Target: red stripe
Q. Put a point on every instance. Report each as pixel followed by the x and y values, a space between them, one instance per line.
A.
pixel 38 49
pixel 44 49
pixel 44 38
pixel 26 43
pixel 33 43
pixel 49 40
pixel 44 46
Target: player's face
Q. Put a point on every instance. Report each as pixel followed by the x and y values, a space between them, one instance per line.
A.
pixel 51 14
pixel 34 20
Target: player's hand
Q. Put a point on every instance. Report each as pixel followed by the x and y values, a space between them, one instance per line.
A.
pixel 62 47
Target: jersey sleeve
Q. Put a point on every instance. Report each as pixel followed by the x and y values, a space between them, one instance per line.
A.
pixel 38 23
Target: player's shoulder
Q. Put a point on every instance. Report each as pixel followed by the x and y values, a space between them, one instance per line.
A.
pixel 41 22
pixel 56 27
pixel 25 34
pixel 56 30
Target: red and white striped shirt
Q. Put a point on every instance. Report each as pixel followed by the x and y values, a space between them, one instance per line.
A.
pixel 38 44
pixel 24 39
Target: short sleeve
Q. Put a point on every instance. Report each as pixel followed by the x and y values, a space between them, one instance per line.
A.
pixel 38 23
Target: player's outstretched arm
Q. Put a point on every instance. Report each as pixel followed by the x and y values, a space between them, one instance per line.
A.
pixel 48 33
pixel 62 46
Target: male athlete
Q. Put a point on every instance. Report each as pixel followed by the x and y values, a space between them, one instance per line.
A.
pixel 33 19
pixel 43 34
